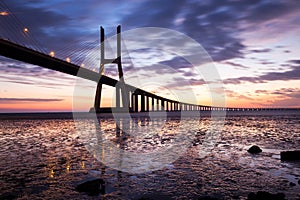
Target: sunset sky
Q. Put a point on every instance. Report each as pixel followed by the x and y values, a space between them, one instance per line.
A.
pixel 254 46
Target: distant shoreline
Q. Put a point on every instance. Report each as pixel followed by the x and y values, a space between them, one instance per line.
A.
pixel 70 115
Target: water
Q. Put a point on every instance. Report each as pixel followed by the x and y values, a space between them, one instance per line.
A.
pixel 47 159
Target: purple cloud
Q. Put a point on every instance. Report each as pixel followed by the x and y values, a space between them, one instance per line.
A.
pixel 293 74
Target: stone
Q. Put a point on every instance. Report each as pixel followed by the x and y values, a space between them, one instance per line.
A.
pixel 254 149
pixel 262 195
pixel 290 155
pixel 8 196
pixel 292 184
pixel 92 186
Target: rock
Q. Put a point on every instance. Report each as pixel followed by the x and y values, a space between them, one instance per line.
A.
pixel 254 149
pixel 290 155
pixel 262 195
pixel 292 184
pixel 8 196
pixel 92 186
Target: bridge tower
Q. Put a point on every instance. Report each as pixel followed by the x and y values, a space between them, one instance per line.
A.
pixel 121 84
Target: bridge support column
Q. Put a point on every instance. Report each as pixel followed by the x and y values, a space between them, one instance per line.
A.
pixel 162 103
pixel 132 101
pixel 152 104
pixel 142 103
pixel 135 102
pixel 147 107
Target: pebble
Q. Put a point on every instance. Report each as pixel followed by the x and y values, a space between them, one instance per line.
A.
pixel 290 155
pixel 292 184
pixel 91 186
pixel 262 195
pixel 254 149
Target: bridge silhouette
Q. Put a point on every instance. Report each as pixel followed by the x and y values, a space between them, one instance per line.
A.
pixel 127 93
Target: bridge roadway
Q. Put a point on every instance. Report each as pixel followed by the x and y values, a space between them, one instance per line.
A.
pixel 27 55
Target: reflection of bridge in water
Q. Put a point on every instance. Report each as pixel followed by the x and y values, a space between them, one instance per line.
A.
pixel 128 98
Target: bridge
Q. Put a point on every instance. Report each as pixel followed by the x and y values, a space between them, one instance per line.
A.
pixel 128 97
pixel 128 93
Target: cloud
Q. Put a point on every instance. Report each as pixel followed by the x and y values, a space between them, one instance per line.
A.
pixel 261 91
pixel 17 72
pixel 285 97
pixel 261 50
pixel 287 92
pixel 293 74
pixel 154 13
pixel 236 65
pixel 13 100
pixel 284 103
pixel 214 24
pixel 36 20
pixel 236 95
pixel 267 10
pixel 295 61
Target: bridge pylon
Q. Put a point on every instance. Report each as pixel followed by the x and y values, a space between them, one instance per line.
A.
pixel 120 87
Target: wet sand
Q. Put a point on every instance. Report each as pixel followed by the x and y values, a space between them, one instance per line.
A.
pixel 47 159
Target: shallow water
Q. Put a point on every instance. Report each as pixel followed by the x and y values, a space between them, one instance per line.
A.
pixel 47 159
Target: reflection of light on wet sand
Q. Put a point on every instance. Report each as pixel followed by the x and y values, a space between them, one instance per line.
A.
pixel 82 164
pixel 51 173
pixel 68 168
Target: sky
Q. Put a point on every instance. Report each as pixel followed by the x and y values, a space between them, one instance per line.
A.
pixel 254 46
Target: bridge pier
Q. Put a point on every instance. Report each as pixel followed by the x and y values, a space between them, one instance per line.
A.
pixel 147 105
pixel 136 103
pixel 142 103
pixel 167 106
pixel 152 104
pixel 162 103
pixel 121 88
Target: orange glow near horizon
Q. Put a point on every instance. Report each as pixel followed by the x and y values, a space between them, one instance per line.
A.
pixel 37 106
pixel 67 106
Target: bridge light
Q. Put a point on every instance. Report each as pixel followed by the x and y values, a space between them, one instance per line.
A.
pixel 25 30
pixel 68 59
pixel 52 53
pixel 82 65
pixel 3 13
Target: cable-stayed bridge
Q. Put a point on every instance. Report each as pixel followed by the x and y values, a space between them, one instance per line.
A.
pixel 128 98
pixel 128 93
